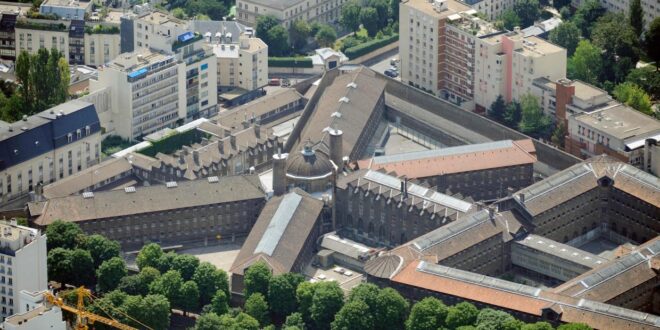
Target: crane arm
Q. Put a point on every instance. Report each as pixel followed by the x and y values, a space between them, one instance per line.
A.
pixel 82 314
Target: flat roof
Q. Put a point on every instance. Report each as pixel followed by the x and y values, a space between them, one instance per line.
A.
pixel 562 251
pixel 67 3
pixel 620 121
pixel 136 61
pixel 428 8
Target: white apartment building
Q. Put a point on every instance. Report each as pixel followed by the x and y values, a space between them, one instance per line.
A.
pixel 32 36
pixel 491 8
pixel 436 44
pixel 100 48
pixel 242 62
pixel 145 89
pixel 508 63
pixel 35 314
pixel 563 98
pixel 289 11
pixel 22 265
pixel 650 8
pixel 157 30
pixel 47 146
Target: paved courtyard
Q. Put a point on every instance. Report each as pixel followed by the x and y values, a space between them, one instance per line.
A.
pixel 222 256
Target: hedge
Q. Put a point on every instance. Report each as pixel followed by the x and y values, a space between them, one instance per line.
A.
pixel 290 62
pixel 172 143
pixel 369 46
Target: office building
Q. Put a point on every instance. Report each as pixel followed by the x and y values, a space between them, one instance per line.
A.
pixel 289 11
pixel 48 146
pixel 22 265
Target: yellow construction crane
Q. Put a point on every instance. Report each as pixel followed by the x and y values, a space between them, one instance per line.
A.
pixel 83 317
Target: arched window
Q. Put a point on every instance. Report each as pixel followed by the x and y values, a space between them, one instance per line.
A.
pixel 359 225
pixel 403 238
pixel 381 233
pixel 370 229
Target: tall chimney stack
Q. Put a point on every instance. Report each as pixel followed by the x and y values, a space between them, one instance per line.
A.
pixel 336 147
pixel 279 173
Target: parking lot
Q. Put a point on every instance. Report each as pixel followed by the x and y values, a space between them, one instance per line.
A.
pixel 385 64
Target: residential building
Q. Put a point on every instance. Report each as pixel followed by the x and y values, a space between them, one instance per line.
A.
pixel 242 66
pixel 650 8
pixel 147 92
pixel 176 213
pixel 48 146
pixel 563 98
pixel 616 130
pixel 101 46
pixel 507 64
pixel 77 42
pixel 22 265
pixel 32 35
pixel 484 171
pixel 35 314
pixel 289 11
pixel 437 46
pixel 66 9
pixel 157 30
pixel 493 9
pixel 284 237
pixel 8 36
pixel 542 29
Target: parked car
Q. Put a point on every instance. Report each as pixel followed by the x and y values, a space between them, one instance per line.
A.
pixel 393 61
pixel 391 73
pixel 286 82
pixel 274 82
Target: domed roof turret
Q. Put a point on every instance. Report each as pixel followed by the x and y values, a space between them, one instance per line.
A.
pixel 309 164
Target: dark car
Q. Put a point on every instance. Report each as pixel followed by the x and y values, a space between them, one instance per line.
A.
pixel 391 73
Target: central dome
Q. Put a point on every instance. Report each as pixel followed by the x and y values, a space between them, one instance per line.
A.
pixel 309 164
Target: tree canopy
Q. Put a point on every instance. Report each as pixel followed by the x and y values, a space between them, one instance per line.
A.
pixel 428 314
pixel 566 35
pixel 652 41
pixel 353 315
pixel 634 96
pixel 110 273
pixel 257 307
pixel 586 63
pixel 256 279
pixel 63 234
pixel 327 301
pixel 149 255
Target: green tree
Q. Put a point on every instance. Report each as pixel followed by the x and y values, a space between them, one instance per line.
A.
pixel 559 4
pixel 148 275
pixel 282 293
pixel 617 39
pixel 427 314
pixel 220 302
pixel 350 16
pixel 149 255
pixel 59 265
pixel 565 13
pixel 559 134
pixel 168 285
pixel 354 315
pixel 461 314
pixel 391 310
pixel 23 78
pixel 263 25
pixel 587 14
pixel 383 11
pixel 304 297
pixel 110 273
pixel 636 16
pixel 509 19
pixel 152 311
pixel 133 285
pixel 179 13
pixel 537 326
pixel 277 37
pixel 257 278
pixel 648 79
pixel 634 96
pixel 652 42
pixel 528 11
pixel 294 320
pixel 513 114
pixel 497 109
pixel 189 296
pixel 369 19
pixel 208 321
pixel 490 319
pixel 209 279
pixel 586 63
pixel 533 121
pixel 186 265
pixel 82 267
pixel 257 307
pixel 298 34
pixel 366 292
pixel 241 321
pixel 566 35
pixel 574 326
pixel 326 36
pixel 166 261
pixel 394 9
pixel 328 300
pixel 101 248
pixel 62 234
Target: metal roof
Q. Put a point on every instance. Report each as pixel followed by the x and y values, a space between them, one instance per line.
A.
pixel 278 224
pixel 446 232
pixel 419 191
pixel 470 148
pixel 562 251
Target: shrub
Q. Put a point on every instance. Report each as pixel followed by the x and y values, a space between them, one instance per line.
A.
pixel 370 46
pixel 290 62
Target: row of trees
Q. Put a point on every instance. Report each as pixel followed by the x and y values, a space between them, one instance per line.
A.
pixel 286 43
pixel 523 14
pixel 524 115
pixel 375 16
pixel 200 9
pixel 288 300
pixel 43 82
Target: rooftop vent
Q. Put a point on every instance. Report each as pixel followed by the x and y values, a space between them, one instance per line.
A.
pixel 336 114
pixel 129 190
pixel 344 99
pixel 88 194
pixel 213 179
pixel 171 184
pixel 352 85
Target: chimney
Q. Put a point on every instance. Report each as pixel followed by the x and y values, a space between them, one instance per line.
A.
pixel 205 141
pixel 491 212
pixel 257 130
pixel 195 154
pixel 182 156
pixel 521 198
pixel 648 144
pixel 404 188
pixel 279 173
pixel 509 191
pixel 336 147
pixel 232 140
pixel 221 146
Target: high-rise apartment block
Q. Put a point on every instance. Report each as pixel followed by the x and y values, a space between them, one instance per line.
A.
pixel 650 8
pixel 508 63
pixel 22 265
pixel 437 41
